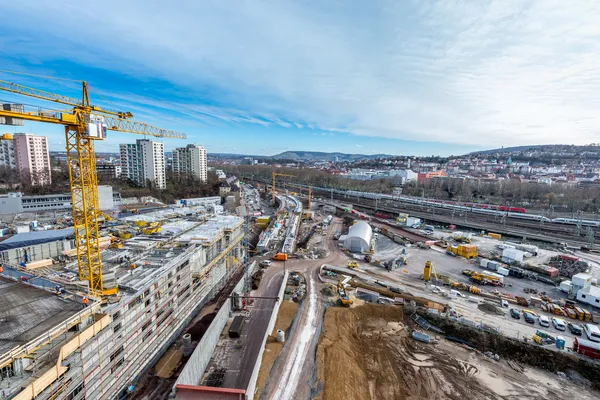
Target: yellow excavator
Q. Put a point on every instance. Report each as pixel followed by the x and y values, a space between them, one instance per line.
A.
pixel 345 300
pixel 353 265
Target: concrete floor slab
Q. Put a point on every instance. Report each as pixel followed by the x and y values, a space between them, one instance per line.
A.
pixel 27 312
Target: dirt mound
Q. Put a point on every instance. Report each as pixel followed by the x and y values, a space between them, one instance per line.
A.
pixel 366 353
pixel 490 308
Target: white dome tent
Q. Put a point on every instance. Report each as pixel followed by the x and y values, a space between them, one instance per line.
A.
pixel 359 237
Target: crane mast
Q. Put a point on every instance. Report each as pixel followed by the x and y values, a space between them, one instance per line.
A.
pixel 83 127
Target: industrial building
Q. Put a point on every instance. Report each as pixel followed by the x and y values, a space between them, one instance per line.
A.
pixel 143 162
pixel 14 203
pixel 66 351
pixel 29 154
pixel 191 159
pixel 359 237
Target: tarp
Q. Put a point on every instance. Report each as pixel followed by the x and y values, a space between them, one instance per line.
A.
pixel 33 238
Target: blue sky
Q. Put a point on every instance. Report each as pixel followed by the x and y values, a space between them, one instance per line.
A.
pixel 260 77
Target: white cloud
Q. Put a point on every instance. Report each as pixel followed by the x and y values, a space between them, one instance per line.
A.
pixel 484 72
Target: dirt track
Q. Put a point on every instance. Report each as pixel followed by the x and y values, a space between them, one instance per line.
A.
pixel 366 353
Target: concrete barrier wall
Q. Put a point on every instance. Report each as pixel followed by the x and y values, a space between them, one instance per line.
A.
pixel 252 385
pixel 196 365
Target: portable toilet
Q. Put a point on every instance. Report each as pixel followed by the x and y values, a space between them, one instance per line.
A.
pixel 560 342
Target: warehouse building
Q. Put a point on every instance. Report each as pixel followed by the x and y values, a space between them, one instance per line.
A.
pixel 359 237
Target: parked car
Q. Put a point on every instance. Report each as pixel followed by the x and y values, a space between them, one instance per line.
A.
pixel 528 318
pixel 266 263
pixel 559 324
pixel 516 314
pixel 544 321
pixel 575 329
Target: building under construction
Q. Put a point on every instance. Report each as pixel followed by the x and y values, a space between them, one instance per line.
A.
pixel 57 344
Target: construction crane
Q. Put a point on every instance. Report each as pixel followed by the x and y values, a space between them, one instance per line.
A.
pixel 84 124
pixel 274 176
pixel 309 189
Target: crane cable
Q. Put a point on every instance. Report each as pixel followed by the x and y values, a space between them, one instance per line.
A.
pixel 40 76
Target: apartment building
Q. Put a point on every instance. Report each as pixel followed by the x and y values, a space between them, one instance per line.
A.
pixel 144 162
pixel 29 154
pixel 190 160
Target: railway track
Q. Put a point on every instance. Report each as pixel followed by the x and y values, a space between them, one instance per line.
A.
pixel 526 229
pixel 546 231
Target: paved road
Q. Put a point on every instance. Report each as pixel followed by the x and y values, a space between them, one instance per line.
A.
pixel 294 371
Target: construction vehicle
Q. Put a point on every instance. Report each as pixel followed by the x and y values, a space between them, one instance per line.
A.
pixel 280 257
pixel 353 265
pixel 345 300
pixel 153 227
pixel 464 250
pixel 116 243
pixel 84 125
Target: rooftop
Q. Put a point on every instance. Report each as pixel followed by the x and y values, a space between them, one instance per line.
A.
pixel 27 312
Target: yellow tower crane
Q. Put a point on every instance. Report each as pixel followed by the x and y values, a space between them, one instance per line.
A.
pixel 84 124
pixel 308 189
pixel 274 176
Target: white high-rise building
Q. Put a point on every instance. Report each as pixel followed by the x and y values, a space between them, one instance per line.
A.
pixel 191 160
pixel 144 162
pixel 29 154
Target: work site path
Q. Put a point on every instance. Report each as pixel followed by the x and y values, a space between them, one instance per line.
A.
pixel 294 372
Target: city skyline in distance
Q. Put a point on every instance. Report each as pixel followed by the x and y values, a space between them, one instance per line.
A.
pixel 416 79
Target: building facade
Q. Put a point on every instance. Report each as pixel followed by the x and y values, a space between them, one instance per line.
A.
pixel 144 162
pixel 29 154
pixel 191 160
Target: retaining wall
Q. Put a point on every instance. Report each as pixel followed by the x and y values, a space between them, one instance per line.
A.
pixel 196 365
pixel 252 384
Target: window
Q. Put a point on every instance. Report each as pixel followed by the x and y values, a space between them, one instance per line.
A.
pixel 75 392
pixel 117 353
pixel 117 328
pixel 583 296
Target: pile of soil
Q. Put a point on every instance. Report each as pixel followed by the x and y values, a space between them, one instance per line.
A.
pixel 490 308
pixel 365 352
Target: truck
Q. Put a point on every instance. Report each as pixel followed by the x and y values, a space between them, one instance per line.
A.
pixel 280 257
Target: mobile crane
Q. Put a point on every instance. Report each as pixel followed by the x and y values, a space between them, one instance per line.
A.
pixel 84 124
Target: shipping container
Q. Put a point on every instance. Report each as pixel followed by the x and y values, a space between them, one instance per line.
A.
pixel 235 330
pixel 565 286
pixel 502 271
pixel 496 236
pixel 483 262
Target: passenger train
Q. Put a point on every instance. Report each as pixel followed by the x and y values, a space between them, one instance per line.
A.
pixel 477 208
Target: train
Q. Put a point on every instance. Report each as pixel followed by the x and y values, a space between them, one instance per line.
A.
pixel 476 208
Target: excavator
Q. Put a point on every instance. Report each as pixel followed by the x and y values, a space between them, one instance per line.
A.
pixel 345 300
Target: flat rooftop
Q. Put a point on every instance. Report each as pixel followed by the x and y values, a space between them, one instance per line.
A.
pixel 27 312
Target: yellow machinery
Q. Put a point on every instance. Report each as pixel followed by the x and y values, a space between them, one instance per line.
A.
pixel 153 227
pixel 427 271
pixel 464 250
pixel 84 124
pixel 274 176
pixel 345 300
pixel 353 265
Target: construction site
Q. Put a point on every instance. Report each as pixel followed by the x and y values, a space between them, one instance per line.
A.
pixel 264 292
